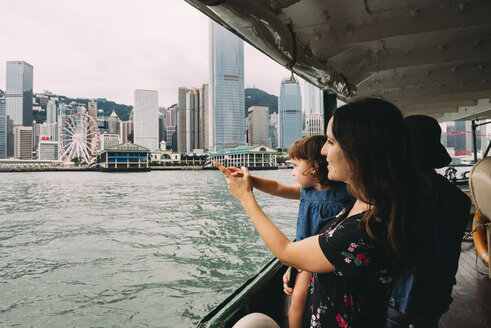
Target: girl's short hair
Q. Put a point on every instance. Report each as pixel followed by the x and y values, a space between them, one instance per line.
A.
pixel 309 150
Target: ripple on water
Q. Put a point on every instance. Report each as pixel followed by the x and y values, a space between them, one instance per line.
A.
pixel 138 249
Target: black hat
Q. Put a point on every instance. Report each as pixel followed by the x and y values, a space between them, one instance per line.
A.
pixel 425 134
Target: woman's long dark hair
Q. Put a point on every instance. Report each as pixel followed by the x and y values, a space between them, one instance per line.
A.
pixel 375 141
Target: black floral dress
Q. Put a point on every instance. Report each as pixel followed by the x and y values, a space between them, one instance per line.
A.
pixel 357 293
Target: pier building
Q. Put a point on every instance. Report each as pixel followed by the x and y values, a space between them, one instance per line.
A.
pixel 258 156
pixel 126 156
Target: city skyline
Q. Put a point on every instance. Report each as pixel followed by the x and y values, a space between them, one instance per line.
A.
pixel 92 59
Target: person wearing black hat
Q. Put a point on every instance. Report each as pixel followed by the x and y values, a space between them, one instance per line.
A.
pixel 423 294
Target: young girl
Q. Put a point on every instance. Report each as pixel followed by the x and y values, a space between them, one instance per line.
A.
pixel 367 147
pixel 320 200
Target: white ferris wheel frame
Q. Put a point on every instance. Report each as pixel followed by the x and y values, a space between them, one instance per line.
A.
pixel 78 131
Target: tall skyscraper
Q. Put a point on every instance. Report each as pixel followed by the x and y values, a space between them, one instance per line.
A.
pixel 51 112
pixel 258 123
pixel 3 128
pixel 19 92
pixel 290 113
pixel 147 119
pixel 227 119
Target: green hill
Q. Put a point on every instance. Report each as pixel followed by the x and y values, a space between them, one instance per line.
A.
pixel 257 97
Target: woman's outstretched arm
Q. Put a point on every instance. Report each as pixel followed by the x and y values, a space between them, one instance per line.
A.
pixel 306 254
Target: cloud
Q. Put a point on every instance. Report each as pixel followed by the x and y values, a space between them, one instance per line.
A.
pixel 90 48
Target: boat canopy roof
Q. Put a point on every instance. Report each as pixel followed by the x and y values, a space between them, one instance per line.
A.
pixel 429 57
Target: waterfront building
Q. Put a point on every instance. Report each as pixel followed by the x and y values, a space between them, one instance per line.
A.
pixel 258 125
pixel 125 156
pixel 112 123
pixel 147 119
pixel 290 113
pixel 314 124
pixel 18 92
pixel 258 156
pixel 107 140
pixel 93 109
pixel 48 150
pixel 226 103
pixel 163 156
pixel 3 128
pixel 23 142
pixel 126 131
pixel 51 112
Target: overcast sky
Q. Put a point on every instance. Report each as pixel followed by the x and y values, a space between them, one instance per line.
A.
pixel 109 48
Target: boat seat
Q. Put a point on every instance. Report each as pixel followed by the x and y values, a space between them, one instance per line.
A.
pixel 480 186
pixel 256 320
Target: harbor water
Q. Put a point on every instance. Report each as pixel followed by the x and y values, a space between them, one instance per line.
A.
pixel 153 249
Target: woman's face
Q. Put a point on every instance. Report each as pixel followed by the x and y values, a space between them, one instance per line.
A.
pixel 338 167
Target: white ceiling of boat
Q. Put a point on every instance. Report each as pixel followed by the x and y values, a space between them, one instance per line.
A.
pixel 427 56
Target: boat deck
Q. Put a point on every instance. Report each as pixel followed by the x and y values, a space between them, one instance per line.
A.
pixel 471 306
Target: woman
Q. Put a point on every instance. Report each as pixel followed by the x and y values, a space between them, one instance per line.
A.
pixel 353 259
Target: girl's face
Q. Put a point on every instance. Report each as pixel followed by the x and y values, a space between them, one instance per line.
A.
pixel 303 173
pixel 338 167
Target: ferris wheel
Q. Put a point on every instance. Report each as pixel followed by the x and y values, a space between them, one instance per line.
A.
pixel 79 138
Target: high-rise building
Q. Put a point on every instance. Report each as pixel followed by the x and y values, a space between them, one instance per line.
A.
pixel 48 150
pixel 147 119
pixel 51 112
pixel 258 124
pixel 93 109
pixel 273 130
pixel 23 142
pixel 204 117
pixel 192 119
pixel 163 124
pixel 227 119
pixel 289 113
pixel 313 99
pixel 187 108
pixel 126 130
pixel 112 123
pixel 3 128
pixel 18 92
pixel 314 124
pixel 47 130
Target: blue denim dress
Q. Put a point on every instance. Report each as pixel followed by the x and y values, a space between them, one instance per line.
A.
pixel 317 207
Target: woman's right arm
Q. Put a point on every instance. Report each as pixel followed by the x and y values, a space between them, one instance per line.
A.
pixel 275 188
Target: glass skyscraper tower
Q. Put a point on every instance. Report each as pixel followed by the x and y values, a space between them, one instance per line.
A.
pixel 147 119
pixel 290 113
pixel 18 93
pixel 227 114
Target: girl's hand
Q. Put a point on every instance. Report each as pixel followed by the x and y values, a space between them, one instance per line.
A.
pixel 287 290
pixel 240 186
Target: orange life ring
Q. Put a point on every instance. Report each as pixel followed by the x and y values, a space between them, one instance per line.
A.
pixel 479 222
